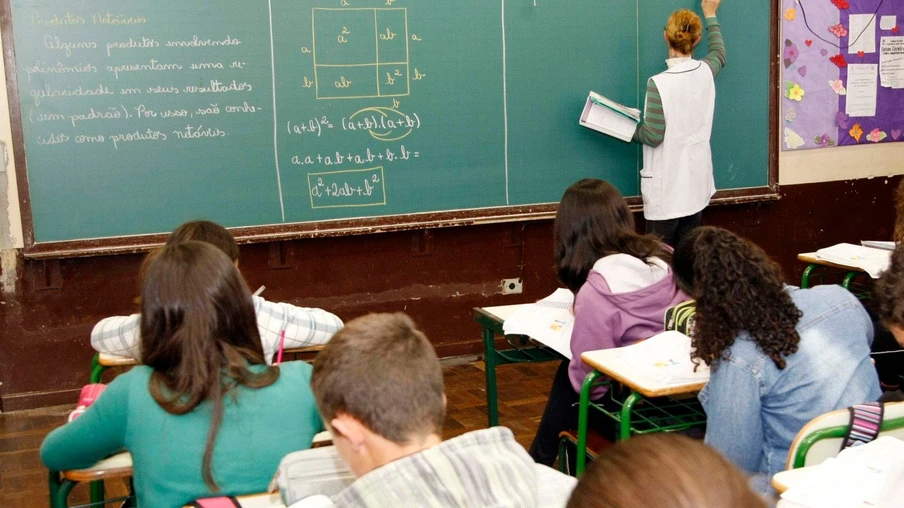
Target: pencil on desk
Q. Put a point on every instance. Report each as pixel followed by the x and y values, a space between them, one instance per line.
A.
pixel 259 291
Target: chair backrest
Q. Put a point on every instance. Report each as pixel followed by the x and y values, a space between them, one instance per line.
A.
pixel 821 438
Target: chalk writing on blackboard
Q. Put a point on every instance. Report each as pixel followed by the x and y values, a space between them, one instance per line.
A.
pixel 347 188
pixel 359 53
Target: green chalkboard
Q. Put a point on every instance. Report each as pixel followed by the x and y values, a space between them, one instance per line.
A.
pixel 137 116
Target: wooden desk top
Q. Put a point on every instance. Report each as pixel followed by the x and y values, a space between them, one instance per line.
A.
pixel 261 501
pixel 810 257
pixel 608 362
pixel 786 479
pixel 498 313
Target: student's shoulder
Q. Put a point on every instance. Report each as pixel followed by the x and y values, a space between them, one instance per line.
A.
pixel 821 298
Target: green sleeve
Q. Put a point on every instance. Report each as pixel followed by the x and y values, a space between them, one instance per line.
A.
pixel 97 433
pixel 715 57
pixel 651 130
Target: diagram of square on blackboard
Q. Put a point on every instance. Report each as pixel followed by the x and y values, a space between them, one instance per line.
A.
pixel 360 53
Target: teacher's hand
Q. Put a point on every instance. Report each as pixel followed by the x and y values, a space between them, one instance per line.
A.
pixel 710 7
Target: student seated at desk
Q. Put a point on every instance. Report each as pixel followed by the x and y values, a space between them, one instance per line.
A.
pixel 889 297
pixel 780 356
pixel 662 471
pixel 622 284
pixel 202 415
pixel 119 335
pixel 379 387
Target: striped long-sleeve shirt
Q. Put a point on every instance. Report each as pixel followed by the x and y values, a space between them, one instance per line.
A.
pixel 651 130
pixel 120 335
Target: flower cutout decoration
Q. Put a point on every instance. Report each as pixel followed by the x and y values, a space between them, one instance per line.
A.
pixel 876 135
pixel 856 132
pixel 839 60
pixel 793 139
pixel 790 14
pixel 790 54
pixel 841 4
pixel 837 86
pixel 824 141
pixel 794 92
pixel 841 119
pixel 838 30
pixel 790 115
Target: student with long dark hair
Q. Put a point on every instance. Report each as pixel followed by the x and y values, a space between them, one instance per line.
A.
pixel 622 285
pixel 202 415
pixel 780 356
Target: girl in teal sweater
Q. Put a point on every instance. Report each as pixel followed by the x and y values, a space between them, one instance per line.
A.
pixel 204 415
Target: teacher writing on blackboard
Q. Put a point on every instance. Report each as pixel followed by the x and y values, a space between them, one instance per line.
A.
pixel 676 181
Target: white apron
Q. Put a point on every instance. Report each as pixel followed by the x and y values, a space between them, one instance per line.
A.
pixel 677 176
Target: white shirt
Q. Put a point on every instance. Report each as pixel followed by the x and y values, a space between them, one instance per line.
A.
pixel 677 177
pixel 119 335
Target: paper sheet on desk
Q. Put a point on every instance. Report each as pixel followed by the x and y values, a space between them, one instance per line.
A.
pixel 870 475
pixel 871 261
pixel 549 321
pixel 666 358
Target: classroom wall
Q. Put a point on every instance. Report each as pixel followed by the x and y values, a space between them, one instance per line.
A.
pixel 841 163
pixel 47 308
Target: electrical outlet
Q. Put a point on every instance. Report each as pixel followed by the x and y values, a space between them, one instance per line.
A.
pixel 512 286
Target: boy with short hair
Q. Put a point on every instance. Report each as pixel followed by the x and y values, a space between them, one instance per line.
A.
pixel 300 326
pixel 379 387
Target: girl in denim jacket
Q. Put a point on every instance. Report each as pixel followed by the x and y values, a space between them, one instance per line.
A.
pixel 780 356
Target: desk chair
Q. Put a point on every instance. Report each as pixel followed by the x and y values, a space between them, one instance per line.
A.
pixel 821 438
pixel 117 466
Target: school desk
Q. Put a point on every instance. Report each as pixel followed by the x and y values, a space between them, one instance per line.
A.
pixel 784 480
pixel 648 406
pixel 103 361
pixel 814 263
pixel 522 350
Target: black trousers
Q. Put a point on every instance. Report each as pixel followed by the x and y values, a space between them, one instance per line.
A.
pixel 673 230
pixel 561 414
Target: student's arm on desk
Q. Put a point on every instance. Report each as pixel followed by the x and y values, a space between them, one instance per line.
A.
pixel 302 326
pixel 734 424
pixel 117 335
pixel 97 433
pixel 594 328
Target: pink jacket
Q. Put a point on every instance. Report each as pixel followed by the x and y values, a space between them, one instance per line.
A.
pixel 605 320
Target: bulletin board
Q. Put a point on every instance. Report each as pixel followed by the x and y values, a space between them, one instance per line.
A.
pixel 842 72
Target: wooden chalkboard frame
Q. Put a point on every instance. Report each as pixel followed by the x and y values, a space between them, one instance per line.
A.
pixel 341 227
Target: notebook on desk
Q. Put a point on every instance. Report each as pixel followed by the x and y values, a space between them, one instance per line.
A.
pixel 550 321
pixel 870 260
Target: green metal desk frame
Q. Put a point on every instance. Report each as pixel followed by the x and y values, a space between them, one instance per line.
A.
pixel 838 432
pixel 521 351
pixel 638 415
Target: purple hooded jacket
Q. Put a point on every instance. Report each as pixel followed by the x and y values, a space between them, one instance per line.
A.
pixel 604 319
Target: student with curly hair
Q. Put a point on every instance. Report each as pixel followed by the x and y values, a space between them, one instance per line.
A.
pixel 622 285
pixel 888 295
pixel 779 355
